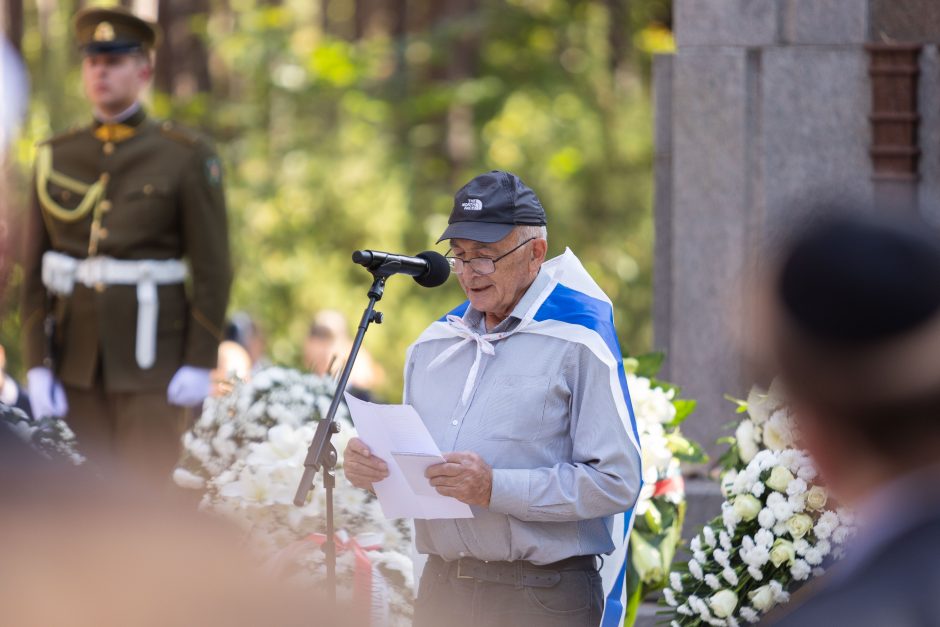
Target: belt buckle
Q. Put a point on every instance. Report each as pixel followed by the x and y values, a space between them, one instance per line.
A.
pixel 459 575
pixel 94 271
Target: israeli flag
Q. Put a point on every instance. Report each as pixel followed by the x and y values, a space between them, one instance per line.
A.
pixel 574 308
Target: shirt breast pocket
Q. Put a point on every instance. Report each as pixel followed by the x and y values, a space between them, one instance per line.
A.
pixel 515 408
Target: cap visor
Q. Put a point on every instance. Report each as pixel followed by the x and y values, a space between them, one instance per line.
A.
pixel 111 47
pixel 487 232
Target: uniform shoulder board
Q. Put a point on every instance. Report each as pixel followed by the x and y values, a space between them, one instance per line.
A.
pixel 181 134
pixel 60 137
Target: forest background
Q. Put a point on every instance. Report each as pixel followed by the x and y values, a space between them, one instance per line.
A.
pixel 349 124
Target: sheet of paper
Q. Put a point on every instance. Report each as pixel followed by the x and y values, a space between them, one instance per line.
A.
pixel 413 465
pixel 388 429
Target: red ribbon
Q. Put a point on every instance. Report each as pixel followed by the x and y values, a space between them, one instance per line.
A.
pixel 670 485
pixel 362 573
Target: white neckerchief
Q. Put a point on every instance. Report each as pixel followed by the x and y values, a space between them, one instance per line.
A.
pixel 484 344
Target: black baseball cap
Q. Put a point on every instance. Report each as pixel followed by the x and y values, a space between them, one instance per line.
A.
pixel 488 208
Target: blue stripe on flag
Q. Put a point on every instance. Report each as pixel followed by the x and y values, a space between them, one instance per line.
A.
pixel 567 305
pixel 458 311
pixel 613 607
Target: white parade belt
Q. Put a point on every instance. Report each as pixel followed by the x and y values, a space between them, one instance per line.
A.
pixel 60 273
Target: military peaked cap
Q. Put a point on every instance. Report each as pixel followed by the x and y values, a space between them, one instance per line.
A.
pixel 113 30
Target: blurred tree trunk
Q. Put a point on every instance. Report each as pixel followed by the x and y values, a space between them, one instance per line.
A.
pixel 11 20
pixel 182 60
pixel 618 32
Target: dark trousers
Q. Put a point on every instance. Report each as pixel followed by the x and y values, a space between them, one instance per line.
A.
pixel 137 433
pixel 577 600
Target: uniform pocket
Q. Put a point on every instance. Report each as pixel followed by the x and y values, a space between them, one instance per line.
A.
pixel 515 408
pixel 147 205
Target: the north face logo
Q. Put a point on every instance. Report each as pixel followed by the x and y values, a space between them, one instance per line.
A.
pixel 473 204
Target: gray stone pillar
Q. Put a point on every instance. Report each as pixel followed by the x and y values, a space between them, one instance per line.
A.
pixel 765 103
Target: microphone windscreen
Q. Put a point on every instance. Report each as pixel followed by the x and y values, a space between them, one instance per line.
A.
pixel 438 269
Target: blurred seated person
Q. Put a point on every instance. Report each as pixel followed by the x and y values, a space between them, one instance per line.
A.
pixel 11 394
pixel 326 349
pixel 234 361
pixel 242 328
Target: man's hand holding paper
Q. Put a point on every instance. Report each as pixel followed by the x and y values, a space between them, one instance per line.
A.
pixel 361 467
pixel 464 476
pixel 391 457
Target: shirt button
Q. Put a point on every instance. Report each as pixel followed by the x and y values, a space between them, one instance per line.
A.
pixel 102 233
pixel 108 148
pixel 462 554
pixel 105 205
pixel 148 189
pixel 453 422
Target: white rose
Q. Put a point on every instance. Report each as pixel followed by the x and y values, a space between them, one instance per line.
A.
pixel 777 433
pixel 758 407
pixel 747 441
pixel 747 507
pixel 762 598
pixel 723 603
pixel 799 525
pixel 782 551
pixel 816 498
pixel 779 479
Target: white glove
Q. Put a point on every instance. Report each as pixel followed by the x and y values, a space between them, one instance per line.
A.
pixel 46 395
pixel 189 386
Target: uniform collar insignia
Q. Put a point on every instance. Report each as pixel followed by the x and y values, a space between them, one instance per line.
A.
pixel 109 132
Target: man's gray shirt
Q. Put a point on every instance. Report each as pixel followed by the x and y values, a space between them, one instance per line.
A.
pixel 541 412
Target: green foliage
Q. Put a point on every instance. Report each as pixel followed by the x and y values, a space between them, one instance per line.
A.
pixel 684 408
pixel 331 145
pixel 649 364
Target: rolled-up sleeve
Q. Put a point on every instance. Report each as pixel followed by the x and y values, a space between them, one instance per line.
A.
pixel 604 474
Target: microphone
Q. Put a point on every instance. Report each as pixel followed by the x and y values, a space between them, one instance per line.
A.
pixel 429 269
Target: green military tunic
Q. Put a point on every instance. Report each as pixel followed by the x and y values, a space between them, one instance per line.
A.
pixel 137 190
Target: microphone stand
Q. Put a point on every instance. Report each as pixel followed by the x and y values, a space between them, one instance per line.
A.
pixel 322 453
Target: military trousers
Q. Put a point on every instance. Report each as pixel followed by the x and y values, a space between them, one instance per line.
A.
pixel 135 432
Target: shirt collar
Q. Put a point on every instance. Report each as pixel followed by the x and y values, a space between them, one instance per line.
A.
pixel 477 321
pixel 132 116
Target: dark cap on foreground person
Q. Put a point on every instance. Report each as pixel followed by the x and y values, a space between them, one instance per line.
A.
pixel 856 313
pixel 488 208
pixel 113 31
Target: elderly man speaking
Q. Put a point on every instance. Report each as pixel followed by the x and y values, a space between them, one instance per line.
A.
pixel 524 383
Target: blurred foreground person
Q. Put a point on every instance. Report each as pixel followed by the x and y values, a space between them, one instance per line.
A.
pixel 126 211
pixel 81 552
pixel 854 321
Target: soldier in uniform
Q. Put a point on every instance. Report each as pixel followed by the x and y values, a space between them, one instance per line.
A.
pixel 127 270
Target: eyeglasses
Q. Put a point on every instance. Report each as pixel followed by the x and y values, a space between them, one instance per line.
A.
pixel 481 265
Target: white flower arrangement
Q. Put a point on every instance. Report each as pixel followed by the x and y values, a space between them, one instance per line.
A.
pixel 51 437
pixel 774 532
pixel 660 508
pixel 246 452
